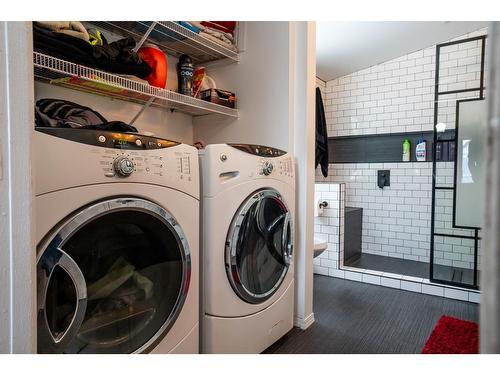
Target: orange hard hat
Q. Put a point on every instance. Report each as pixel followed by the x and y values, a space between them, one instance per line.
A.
pixel 157 60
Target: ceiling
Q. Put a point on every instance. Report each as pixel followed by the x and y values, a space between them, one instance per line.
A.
pixel 346 47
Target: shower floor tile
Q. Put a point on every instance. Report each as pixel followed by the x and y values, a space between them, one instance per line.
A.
pixel 390 264
pixel 411 268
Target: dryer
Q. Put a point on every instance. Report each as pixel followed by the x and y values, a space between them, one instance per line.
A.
pixel 117 229
pixel 248 200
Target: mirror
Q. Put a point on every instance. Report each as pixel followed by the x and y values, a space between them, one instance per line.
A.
pixel 470 169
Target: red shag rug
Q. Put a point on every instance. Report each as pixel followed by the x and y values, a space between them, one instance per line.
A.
pixel 453 336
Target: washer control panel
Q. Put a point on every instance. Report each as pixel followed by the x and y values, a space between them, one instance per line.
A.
pixel 285 167
pixel 175 167
pixel 123 166
pixel 267 168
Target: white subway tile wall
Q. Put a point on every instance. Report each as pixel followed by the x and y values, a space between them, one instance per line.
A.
pixel 397 96
pixel 396 219
pixel 392 97
pixel 327 227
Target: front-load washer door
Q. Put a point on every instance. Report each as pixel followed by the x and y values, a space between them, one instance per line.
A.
pixel 112 279
pixel 259 246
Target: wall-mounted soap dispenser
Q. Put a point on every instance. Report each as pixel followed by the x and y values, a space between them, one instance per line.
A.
pixel 383 178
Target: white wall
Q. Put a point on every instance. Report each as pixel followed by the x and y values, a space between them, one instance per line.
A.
pixel 261 83
pixel 302 142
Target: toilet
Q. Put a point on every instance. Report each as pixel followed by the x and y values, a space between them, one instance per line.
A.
pixel 320 245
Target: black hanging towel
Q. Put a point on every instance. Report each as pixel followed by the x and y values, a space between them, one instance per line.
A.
pixel 321 135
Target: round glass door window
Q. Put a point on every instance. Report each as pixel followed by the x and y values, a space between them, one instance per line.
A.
pixel 259 246
pixel 112 280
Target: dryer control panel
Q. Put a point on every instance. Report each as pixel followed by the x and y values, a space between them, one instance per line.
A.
pixel 281 167
pixel 225 165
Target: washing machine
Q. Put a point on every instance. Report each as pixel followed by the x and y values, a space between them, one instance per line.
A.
pixel 117 229
pixel 248 200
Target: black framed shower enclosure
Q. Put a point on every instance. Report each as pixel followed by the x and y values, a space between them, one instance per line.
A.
pixel 440 272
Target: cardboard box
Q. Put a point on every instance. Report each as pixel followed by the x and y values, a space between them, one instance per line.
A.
pixel 221 97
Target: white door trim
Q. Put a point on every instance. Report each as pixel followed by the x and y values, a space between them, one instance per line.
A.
pixel 17 249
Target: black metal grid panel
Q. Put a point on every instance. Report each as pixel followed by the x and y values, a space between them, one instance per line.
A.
pixel 437 93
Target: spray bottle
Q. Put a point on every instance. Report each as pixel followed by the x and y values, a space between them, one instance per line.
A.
pixel 420 150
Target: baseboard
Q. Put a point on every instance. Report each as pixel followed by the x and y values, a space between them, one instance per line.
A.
pixel 304 323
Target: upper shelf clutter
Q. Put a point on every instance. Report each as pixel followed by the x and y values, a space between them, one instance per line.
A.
pixel 65 73
pixel 171 37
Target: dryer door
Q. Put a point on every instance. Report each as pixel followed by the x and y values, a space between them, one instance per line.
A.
pixel 259 246
pixel 113 279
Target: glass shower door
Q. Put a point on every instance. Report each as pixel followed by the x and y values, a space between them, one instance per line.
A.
pixel 458 175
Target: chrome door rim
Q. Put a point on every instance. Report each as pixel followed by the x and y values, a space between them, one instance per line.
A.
pixel 231 241
pixel 86 215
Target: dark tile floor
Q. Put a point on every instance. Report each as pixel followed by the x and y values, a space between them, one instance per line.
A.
pixel 354 317
pixel 411 268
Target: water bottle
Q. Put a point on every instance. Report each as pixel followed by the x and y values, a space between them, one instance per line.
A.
pixel 185 70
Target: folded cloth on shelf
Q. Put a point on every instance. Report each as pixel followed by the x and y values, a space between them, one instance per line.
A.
pixel 72 28
pixel 58 113
pixel 223 43
pixel 214 31
pixel 225 37
pixel 226 26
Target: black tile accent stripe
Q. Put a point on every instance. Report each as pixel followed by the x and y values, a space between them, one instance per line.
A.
pixel 377 148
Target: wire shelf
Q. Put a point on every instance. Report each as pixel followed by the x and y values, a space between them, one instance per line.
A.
pixel 64 73
pixel 172 38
